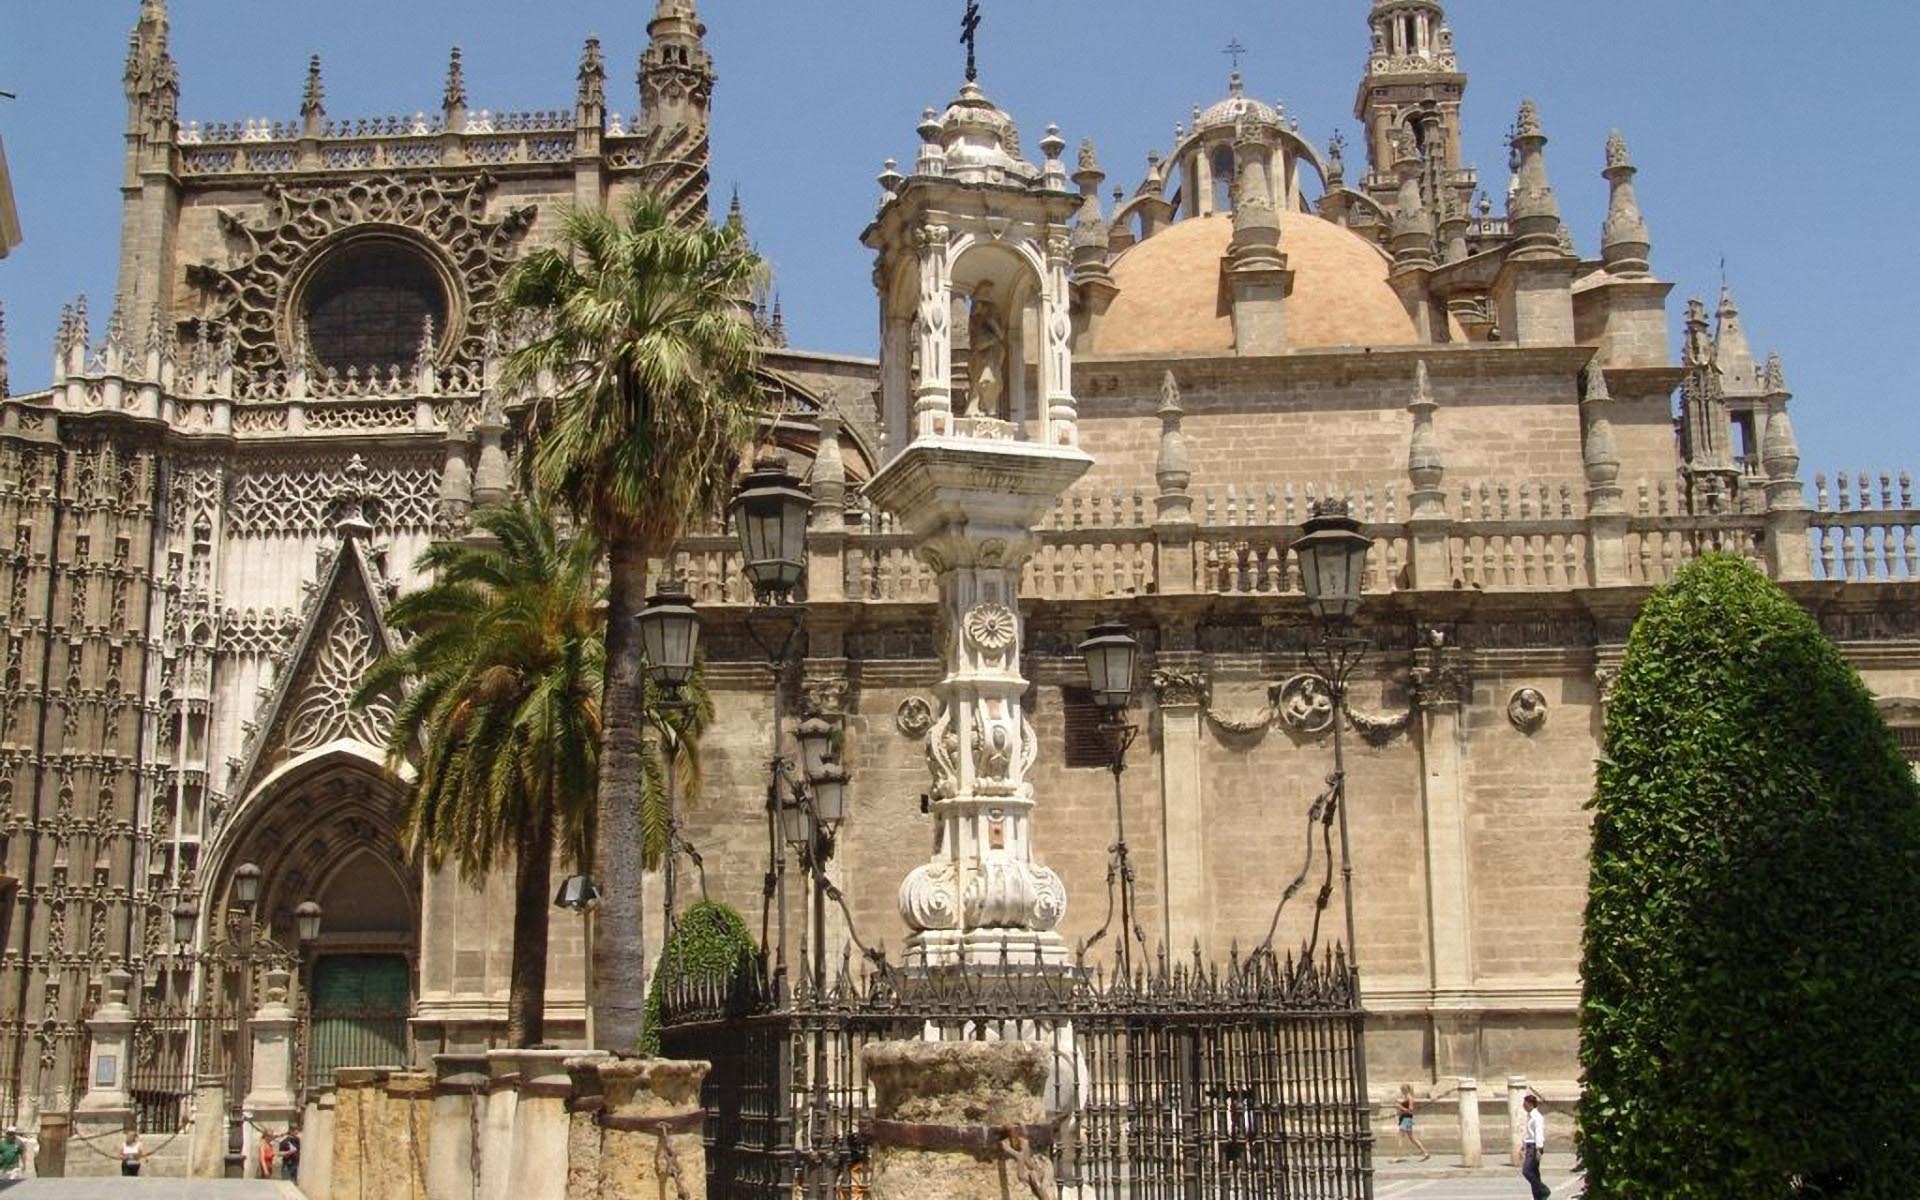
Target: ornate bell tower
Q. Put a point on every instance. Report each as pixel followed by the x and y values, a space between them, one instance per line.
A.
pixel 974 246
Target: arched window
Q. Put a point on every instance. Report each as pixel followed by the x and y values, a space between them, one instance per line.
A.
pixel 367 303
pixel 1222 180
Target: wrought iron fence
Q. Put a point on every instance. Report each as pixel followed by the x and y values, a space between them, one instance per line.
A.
pixel 1185 1081
pixel 173 1050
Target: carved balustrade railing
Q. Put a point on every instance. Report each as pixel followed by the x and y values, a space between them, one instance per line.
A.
pixel 1862 546
pixel 266 147
pixel 1520 555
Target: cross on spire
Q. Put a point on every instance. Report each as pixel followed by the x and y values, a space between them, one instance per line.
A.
pixel 1233 51
pixel 970 36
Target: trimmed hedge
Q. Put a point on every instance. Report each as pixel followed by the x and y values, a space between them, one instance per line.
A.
pixel 1752 959
pixel 711 942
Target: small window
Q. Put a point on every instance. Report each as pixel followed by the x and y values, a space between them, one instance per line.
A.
pixel 1086 742
pixel 368 303
pixel 1909 737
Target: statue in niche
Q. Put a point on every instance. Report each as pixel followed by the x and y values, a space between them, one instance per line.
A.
pixel 986 356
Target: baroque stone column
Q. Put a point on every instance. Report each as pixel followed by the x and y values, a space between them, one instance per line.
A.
pixel 971 503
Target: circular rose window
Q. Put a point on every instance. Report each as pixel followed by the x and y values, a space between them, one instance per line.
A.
pixel 368 302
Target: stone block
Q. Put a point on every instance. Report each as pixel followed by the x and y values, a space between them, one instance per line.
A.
pixel 947 1113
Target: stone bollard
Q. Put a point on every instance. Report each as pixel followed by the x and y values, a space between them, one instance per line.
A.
pixel 496 1127
pixel 316 1147
pixel 651 1143
pixel 538 1166
pixel 459 1104
pixel 1469 1112
pixel 1516 1115
pixel 960 1120
pixel 406 1121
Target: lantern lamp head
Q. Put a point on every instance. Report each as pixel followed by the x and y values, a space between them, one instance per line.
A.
pixel 1333 562
pixel 246 884
pixel 770 511
pixel 669 635
pixel 1110 652
pixel 306 918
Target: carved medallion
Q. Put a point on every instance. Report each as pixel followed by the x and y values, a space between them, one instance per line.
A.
pixel 1527 709
pixel 914 716
pixel 1305 704
pixel 991 627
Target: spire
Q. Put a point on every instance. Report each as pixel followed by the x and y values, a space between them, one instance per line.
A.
pixel 1731 352
pixel 592 76
pixel 676 98
pixel 1624 243
pixel 1533 209
pixel 736 216
pixel 313 108
pixel 454 100
pixel 1779 448
pixel 1091 237
pixel 152 79
pixel 1425 469
pixel 1170 470
pixel 777 328
pixel 1412 224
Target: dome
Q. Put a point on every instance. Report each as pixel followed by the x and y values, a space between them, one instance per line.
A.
pixel 1238 106
pixel 980 140
pixel 1172 298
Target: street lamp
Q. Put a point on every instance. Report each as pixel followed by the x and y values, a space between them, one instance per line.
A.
pixel 1333 562
pixel 577 893
pixel 1333 569
pixel 185 917
pixel 306 919
pixel 246 884
pixel 669 634
pixel 1110 652
pixel 770 511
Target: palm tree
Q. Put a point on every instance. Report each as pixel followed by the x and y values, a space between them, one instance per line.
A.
pixel 643 326
pixel 502 677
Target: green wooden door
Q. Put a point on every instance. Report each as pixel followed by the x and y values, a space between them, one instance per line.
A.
pixel 360 1006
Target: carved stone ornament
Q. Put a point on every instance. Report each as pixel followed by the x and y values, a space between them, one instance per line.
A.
pixel 1175 688
pixel 1527 709
pixel 323 708
pixel 914 716
pixel 1305 704
pixel 929 897
pixel 991 627
pixel 254 296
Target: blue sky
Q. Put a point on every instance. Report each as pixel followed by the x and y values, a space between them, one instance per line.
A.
pixel 1753 124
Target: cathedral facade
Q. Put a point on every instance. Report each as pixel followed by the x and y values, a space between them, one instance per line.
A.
pixel 295 391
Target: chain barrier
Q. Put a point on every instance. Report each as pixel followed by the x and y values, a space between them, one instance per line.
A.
pixel 1029 1168
pixel 667 1161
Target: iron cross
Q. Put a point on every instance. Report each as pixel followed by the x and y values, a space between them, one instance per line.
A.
pixel 970 35
pixel 1234 50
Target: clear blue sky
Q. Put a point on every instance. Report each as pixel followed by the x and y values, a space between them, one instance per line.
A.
pixel 1777 133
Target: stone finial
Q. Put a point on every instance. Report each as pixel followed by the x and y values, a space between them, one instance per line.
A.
pixel 1697 348
pixel 1170 469
pixel 736 215
pixel 158 349
pixel 1424 465
pixel 117 348
pixel 352 498
pixel 1532 206
pixel 1599 454
pixel 1053 170
pixel 1732 353
pixel 1773 378
pixel 1092 239
pixel 454 99
pixel 1780 449
pixel 313 106
pixel 152 78
pixel 829 469
pixel 777 327
pixel 592 92
pixel 1412 223
pixel 1336 160
pixel 1624 242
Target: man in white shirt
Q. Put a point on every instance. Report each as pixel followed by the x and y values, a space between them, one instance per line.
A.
pixel 1533 1144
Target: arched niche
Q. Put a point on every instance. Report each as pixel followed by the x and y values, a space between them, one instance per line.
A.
pixel 998 292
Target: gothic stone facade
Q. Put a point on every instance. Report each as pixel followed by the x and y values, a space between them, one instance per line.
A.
pixel 295 393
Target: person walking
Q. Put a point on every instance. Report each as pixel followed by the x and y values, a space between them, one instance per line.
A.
pixel 1533 1144
pixel 1403 1111
pixel 131 1152
pixel 13 1154
pixel 290 1153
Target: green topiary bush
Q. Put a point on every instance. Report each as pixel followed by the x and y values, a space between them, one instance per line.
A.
pixel 711 942
pixel 1752 960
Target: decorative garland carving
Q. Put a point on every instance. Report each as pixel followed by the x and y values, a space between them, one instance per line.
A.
pixel 323 709
pixel 253 297
pixel 1304 704
pixel 295 499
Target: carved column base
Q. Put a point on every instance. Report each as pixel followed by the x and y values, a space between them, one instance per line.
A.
pixel 984 951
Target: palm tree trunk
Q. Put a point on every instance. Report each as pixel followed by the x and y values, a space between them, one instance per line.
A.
pixel 532 881
pixel 619 951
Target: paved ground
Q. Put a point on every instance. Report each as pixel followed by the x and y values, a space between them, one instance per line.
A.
pixel 147 1189
pixel 1434 1180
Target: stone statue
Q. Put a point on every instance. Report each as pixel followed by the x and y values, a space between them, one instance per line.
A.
pixel 986 356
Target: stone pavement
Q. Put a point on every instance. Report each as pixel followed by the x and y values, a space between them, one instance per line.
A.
pixel 1436 1180
pixel 148 1189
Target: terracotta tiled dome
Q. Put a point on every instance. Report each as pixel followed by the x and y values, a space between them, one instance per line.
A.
pixel 1172 299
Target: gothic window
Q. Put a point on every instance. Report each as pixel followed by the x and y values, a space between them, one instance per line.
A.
pixel 368 302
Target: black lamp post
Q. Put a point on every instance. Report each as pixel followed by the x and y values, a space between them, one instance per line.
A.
pixel 1111 653
pixel 669 635
pixel 246 885
pixel 1333 571
pixel 306 925
pixel 185 917
pixel 769 511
